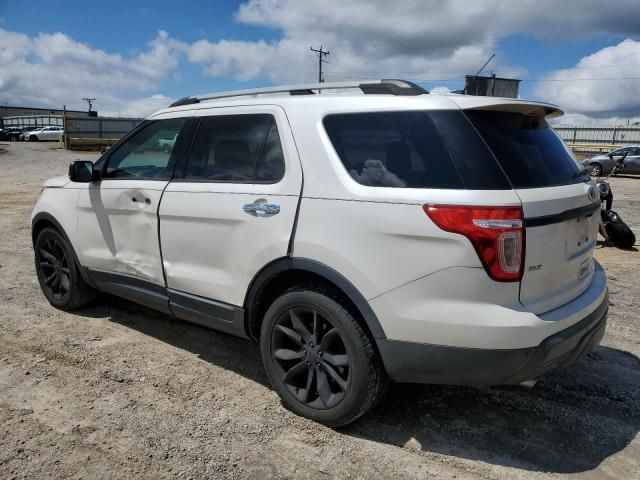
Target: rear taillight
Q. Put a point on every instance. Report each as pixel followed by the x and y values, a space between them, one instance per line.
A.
pixel 495 232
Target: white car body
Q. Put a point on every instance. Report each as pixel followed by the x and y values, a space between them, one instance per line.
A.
pixel 434 312
pixel 43 134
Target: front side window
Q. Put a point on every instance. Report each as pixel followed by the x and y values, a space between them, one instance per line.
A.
pixel 148 154
pixel 236 148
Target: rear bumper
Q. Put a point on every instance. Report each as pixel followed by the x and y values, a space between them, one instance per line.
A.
pixel 423 363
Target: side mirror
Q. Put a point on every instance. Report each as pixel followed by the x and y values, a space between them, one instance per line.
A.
pixel 82 171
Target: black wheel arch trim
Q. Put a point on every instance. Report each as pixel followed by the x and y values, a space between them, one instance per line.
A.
pixel 47 217
pixel 283 264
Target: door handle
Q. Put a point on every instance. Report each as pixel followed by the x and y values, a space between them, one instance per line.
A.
pixel 261 208
pixel 145 200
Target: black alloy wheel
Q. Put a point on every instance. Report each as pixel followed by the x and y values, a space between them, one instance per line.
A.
pixel 55 266
pixel 58 272
pixel 313 360
pixel 319 358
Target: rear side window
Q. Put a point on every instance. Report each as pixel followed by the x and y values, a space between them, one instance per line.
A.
pixel 236 148
pixel 414 149
pixel 529 151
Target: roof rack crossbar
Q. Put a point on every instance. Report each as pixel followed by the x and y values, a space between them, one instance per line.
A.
pixel 389 86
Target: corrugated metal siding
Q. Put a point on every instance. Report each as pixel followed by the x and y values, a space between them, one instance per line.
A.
pixel 599 135
pixel 101 127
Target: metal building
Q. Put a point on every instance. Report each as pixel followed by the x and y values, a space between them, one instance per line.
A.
pixel 491 86
pixel 42 114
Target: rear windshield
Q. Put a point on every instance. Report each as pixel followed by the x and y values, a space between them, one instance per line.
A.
pixel 414 149
pixel 529 151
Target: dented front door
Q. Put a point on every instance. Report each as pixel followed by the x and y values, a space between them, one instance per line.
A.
pixel 118 216
pixel 118 227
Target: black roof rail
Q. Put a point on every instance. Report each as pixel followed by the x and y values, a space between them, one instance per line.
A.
pixel 184 101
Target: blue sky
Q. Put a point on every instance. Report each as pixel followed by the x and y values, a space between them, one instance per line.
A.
pixel 137 56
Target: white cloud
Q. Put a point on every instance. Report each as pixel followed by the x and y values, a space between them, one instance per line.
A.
pixel 593 96
pixel 440 90
pixel 52 69
pixel 142 107
pixel 420 40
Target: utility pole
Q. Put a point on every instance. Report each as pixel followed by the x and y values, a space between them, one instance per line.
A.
pixel 89 101
pixel 321 55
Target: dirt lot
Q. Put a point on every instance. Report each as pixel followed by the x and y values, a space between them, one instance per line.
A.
pixel 116 391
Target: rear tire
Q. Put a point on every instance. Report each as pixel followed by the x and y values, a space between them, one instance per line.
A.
pixel 58 272
pixel 595 169
pixel 319 359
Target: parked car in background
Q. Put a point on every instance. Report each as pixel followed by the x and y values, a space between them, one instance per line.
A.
pixel 5 132
pixel 43 134
pixel 28 131
pixel 11 133
pixel 603 164
pixel 24 130
pixel 166 144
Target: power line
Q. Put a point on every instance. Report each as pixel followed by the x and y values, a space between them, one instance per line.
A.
pixel 321 55
pixel 578 79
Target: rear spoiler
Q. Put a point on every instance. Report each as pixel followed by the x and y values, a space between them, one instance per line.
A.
pixel 536 109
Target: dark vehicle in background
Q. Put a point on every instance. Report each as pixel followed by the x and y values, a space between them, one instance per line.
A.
pixel 10 133
pixel 612 227
pixel 604 164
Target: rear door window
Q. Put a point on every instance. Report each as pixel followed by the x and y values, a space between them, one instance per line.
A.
pixel 529 151
pixel 236 148
pixel 413 149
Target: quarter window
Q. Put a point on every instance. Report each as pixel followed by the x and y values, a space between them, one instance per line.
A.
pixel 414 149
pixel 148 154
pixel 529 151
pixel 236 148
pixel 392 149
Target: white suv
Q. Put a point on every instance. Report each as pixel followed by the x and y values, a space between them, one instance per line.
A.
pixel 380 234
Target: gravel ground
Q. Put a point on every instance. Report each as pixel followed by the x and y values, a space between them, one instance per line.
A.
pixel 118 391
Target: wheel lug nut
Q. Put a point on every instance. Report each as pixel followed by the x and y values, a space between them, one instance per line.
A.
pixel 320 352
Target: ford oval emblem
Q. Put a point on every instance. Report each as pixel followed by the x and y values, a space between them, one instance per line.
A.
pixel 592 193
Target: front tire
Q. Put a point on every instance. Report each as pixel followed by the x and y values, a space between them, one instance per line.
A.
pixel 58 273
pixel 33 138
pixel 319 359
